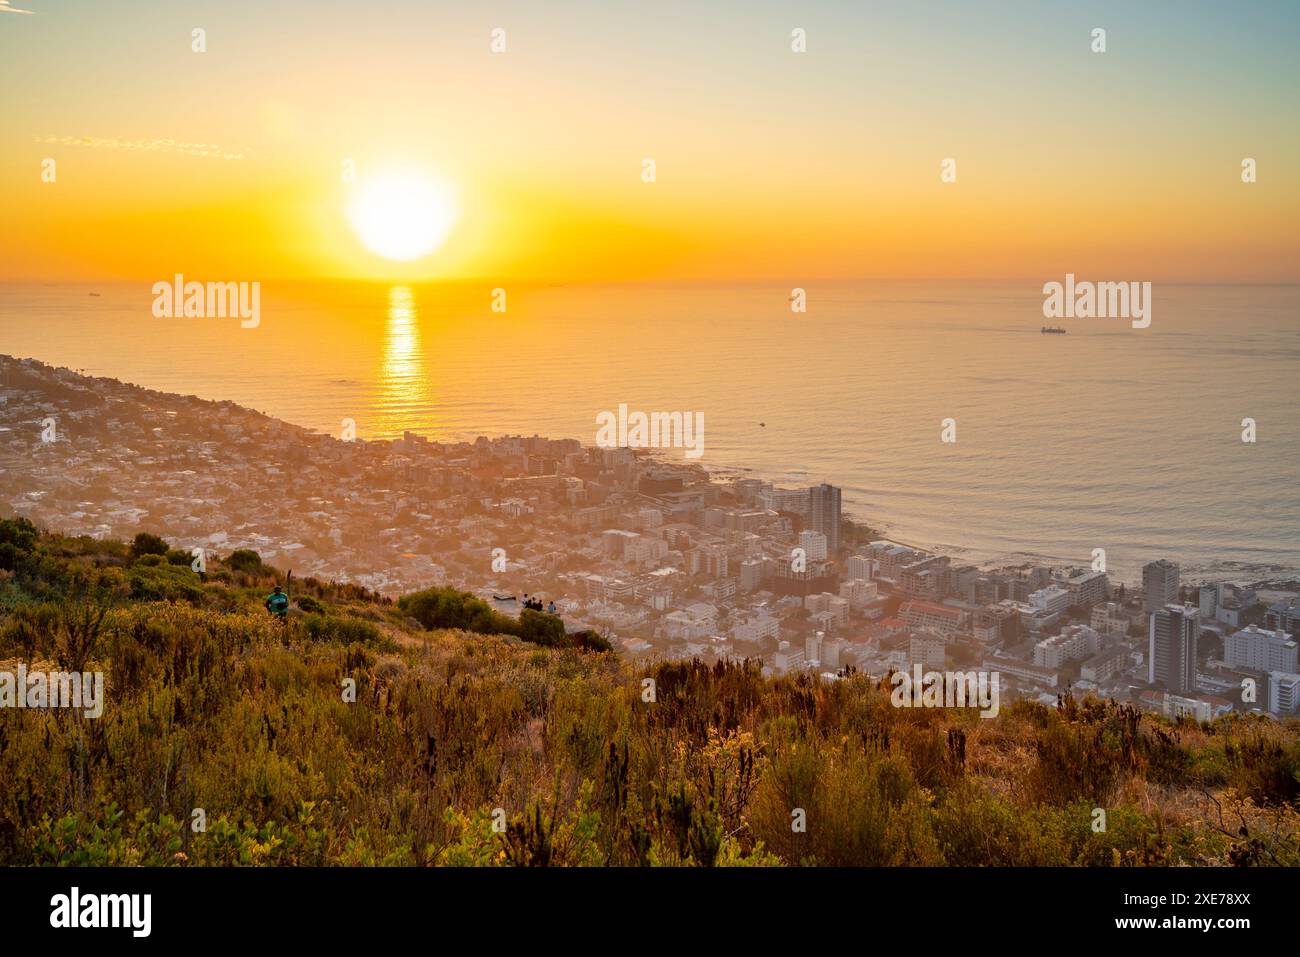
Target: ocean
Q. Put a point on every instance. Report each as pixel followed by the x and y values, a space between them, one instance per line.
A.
pixel 1107 437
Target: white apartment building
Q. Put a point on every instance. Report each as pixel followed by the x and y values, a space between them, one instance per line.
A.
pixel 760 626
pixel 1087 588
pixel 1105 665
pixel 1051 599
pixel 697 620
pixel 1283 693
pixel 814 545
pixel 812 648
pixel 927 649
pixel 860 567
pixel 1108 619
pixel 859 592
pixel 1209 601
pixel 787 659
pixel 832 651
pixel 1260 650
pixel 1073 644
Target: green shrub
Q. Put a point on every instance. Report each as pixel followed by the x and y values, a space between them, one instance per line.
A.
pixel 449 608
pixel 245 560
pixel 147 544
pixel 17 538
pixel 343 629
pixel 158 581
pixel 541 628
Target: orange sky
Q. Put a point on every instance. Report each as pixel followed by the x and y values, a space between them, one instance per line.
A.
pixel 770 164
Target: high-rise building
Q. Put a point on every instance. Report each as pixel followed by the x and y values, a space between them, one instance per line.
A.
pixel 812 647
pixel 1209 598
pixel 824 515
pixel 1160 581
pixel 1171 653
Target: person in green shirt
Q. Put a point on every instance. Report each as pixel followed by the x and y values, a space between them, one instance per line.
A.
pixel 277 603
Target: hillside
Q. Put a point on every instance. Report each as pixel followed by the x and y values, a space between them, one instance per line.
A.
pixel 463 747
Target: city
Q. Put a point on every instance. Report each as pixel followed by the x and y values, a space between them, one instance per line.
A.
pixel 666 559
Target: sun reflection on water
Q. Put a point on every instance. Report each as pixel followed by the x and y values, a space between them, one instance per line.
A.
pixel 403 377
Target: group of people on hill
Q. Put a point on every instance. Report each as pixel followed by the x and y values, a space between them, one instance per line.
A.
pixel 535 604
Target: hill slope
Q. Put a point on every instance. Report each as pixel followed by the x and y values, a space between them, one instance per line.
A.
pixel 353 734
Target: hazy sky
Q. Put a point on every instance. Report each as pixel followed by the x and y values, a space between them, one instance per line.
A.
pixel 770 164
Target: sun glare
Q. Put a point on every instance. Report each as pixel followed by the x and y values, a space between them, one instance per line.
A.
pixel 402 215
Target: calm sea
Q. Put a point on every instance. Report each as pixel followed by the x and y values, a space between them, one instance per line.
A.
pixel 1106 437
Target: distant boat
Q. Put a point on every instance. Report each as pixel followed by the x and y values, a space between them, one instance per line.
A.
pixel 1056 330
pixel 94 294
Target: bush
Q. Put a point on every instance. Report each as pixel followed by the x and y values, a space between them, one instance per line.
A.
pixel 345 630
pixel 245 560
pixel 147 544
pixel 159 581
pixel 17 539
pixel 177 556
pixel 591 640
pixel 449 608
pixel 541 628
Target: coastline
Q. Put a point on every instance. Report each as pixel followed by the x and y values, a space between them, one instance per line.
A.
pixel 1286 581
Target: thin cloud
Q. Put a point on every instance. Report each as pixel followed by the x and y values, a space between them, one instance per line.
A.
pixel 211 150
pixel 5 8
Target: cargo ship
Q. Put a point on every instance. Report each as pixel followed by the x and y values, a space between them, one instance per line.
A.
pixel 1057 330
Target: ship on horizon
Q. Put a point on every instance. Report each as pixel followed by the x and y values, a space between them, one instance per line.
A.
pixel 1057 330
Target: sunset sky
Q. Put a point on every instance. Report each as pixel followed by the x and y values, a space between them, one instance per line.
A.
pixel 769 164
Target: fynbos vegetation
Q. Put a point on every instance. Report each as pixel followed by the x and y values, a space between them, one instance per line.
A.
pixel 434 731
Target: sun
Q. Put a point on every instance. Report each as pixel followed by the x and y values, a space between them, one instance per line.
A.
pixel 402 215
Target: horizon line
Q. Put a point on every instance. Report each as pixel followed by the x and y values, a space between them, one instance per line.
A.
pixel 684 281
